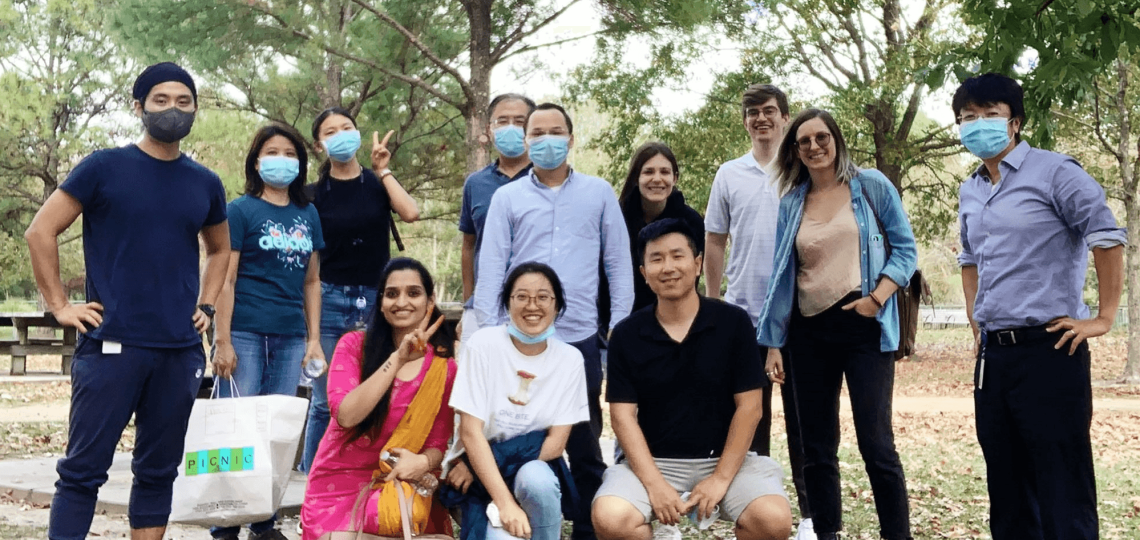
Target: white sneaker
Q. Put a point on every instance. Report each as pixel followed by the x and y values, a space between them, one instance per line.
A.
pixel 806 530
pixel 666 532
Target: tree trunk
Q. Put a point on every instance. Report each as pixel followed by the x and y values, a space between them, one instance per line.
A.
pixel 882 118
pixel 479 97
pixel 1131 179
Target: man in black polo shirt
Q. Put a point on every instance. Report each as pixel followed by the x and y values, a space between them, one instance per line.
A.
pixel 685 387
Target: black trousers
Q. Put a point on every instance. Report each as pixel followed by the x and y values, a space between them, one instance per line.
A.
pixel 1033 405
pixel 586 464
pixel 827 348
pixel 762 440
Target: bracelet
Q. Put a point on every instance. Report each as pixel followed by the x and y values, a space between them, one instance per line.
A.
pixel 875 299
pixel 385 172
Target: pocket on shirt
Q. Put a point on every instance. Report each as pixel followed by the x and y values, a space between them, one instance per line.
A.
pixel 878 256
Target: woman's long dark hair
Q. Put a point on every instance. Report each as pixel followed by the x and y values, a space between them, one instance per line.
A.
pixel 642 155
pixel 378 343
pixel 254 185
pixel 326 166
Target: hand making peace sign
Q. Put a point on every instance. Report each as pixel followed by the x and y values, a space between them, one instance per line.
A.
pixel 415 343
pixel 380 153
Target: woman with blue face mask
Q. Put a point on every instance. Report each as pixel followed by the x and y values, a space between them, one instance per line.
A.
pixel 268 315
pixel 518 391
pixel 355 205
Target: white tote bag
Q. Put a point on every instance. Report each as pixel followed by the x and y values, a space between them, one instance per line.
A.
pixel 238 458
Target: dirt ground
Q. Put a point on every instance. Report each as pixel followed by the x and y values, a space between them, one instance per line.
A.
pixel 933 412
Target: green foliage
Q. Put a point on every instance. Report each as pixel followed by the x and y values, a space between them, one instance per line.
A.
pixel 1073 39
pixel 60 80
pixel 873 58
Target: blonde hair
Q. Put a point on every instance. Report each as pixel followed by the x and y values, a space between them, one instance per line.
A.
pixel 790 170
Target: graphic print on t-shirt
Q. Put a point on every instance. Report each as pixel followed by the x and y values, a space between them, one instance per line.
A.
pixel 293 244
pixel 522 397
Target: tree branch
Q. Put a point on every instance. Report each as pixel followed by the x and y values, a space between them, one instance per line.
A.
pixel 1097 127
pixel 805 60
pixel 427 52
pixel 903 132
pixel 415 81
pixel 505 46
pixel 530 48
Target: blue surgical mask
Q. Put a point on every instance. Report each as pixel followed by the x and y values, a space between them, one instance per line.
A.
pixel 527 338
pixel 548 152
pixel 278 171
pixel 342 147
pixel 985 137
pixel 509 141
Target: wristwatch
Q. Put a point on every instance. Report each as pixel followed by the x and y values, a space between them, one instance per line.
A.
pixel 208 309
pixel 385 172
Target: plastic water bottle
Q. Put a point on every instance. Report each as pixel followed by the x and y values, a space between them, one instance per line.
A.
pixel 693 514
pixel 426 484
pixel 315 368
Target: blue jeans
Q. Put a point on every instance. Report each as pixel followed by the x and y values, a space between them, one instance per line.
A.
pixel 266 364
pixel 343 308
pixel 157 386
pixel 539 495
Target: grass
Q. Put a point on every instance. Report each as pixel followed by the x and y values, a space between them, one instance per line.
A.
pixel 26 440
pixel 939 450
pixel 11 531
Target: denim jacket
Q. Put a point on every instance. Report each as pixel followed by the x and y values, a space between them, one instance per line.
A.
pixel 772 330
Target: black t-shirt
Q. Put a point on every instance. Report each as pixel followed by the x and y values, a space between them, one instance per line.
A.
pixel 141 219
pixel 685 391
pixel 355 219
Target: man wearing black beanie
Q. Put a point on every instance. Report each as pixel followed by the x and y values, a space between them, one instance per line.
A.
pixel 140 351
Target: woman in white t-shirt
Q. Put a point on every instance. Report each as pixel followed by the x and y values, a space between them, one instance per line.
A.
pixel 513 380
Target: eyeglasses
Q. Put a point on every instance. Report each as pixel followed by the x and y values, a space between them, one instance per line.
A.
pixel 523 299
pixel 971 117
pixel 769 112
pixel 821 140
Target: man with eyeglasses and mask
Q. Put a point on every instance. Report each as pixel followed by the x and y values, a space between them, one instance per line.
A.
pixel 743 205
pixel 573 223
pixel 140 351
pixel 1027 218
pixel 506 117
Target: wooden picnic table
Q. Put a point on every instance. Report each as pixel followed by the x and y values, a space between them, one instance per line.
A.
pixel 25 345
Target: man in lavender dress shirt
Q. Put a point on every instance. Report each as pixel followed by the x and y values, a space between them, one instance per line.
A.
pixel 1027 218
pixel 572 222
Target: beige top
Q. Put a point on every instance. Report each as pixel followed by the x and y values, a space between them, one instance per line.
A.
pixel 828 260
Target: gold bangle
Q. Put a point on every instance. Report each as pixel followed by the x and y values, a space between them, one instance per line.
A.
pixel 875 299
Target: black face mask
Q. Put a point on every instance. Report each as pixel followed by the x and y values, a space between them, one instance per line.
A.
pixel 168 126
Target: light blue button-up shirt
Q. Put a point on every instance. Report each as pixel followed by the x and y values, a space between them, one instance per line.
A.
pixel 573 229
pixel 1028 237
pixel 873 261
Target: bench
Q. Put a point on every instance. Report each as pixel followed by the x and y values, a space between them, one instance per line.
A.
pixel 24 344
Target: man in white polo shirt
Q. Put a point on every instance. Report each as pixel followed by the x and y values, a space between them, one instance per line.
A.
pixel 743 205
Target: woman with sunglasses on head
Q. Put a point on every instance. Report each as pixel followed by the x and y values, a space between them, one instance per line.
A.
pixel 844 245
pixel 269 311
pixel 355 206
pixel 650 193
pixel 518 392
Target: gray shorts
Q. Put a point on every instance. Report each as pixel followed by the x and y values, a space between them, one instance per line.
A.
pixel 758 476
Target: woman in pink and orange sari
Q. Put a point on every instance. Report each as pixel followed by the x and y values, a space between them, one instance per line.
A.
pixel 389 386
